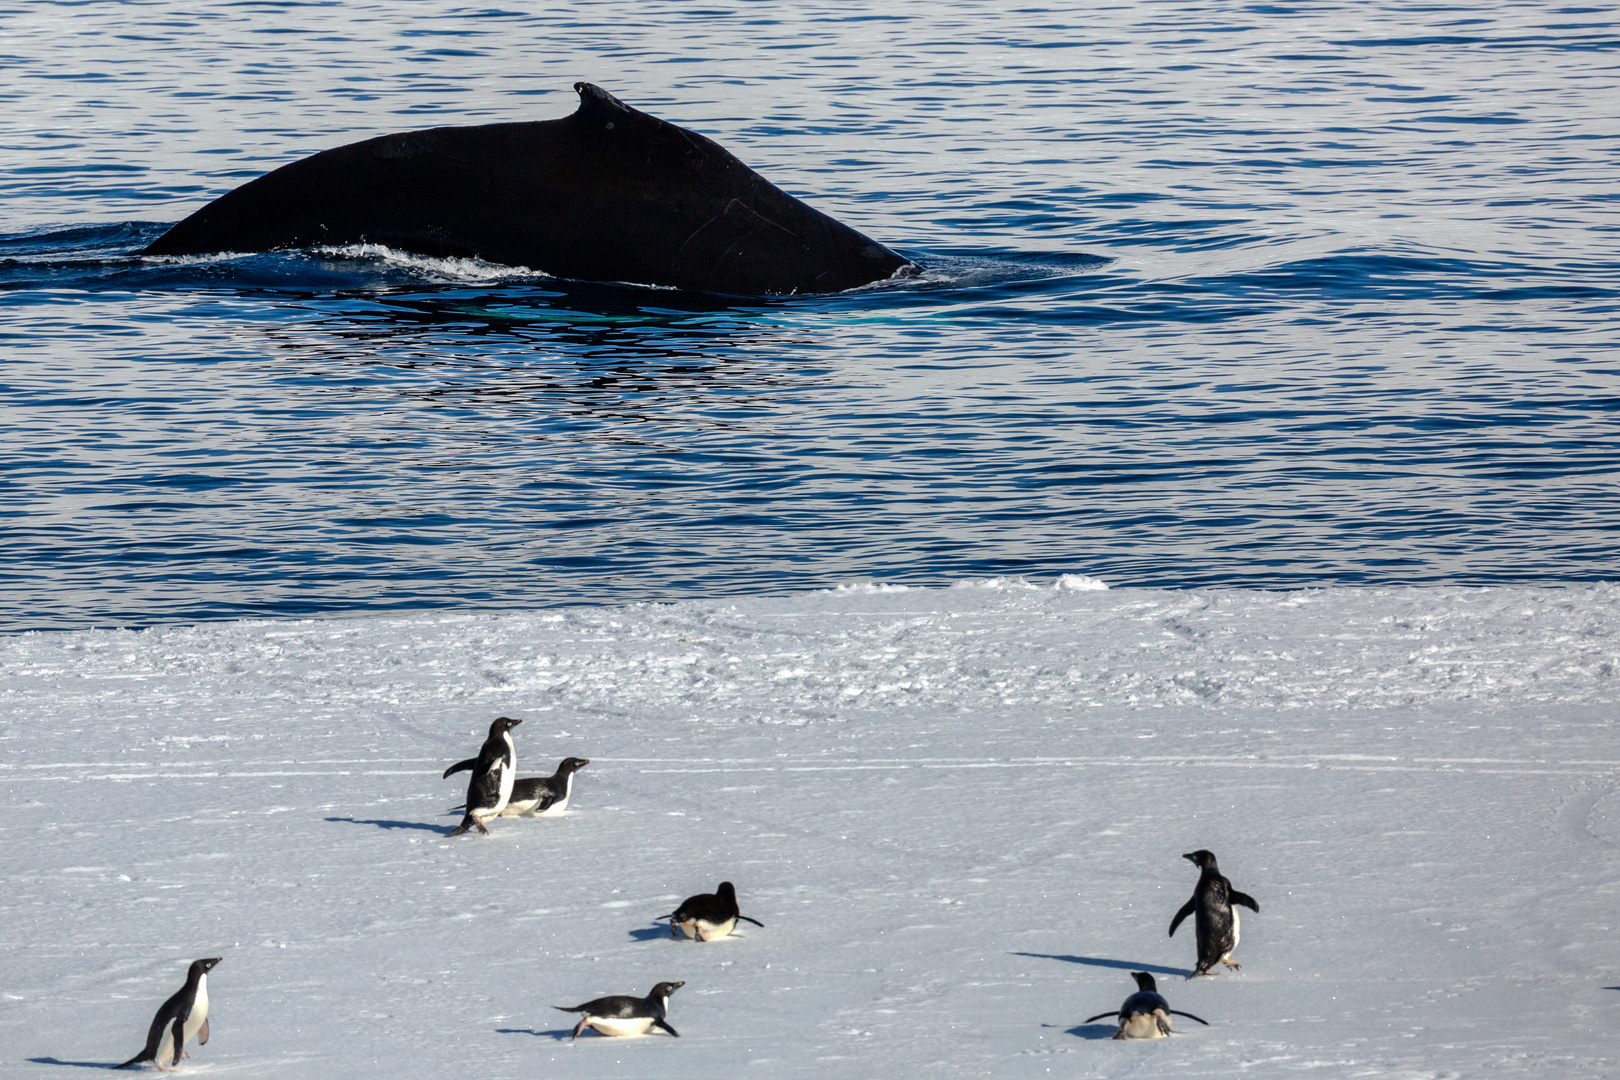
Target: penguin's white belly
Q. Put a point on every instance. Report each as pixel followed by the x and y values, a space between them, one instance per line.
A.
pixel 561 804
pixel 1144 1026
pixel 1236 924
pixel 520 807
pixel 704 930
pixel 199 1010
pixel 508 774
pixel 637 1025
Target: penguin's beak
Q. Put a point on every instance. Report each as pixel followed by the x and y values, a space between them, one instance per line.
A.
pixel 584 761
pixel 1190 858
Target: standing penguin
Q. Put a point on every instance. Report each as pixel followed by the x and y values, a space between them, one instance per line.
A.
pixel 543 796
pixel 494 771
pixel 622 1014
pixel 1145 1014
pixel 707 916
pixel 1216 923
pixel 185 1014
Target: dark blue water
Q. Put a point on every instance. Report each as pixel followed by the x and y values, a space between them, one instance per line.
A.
pixel 1263 296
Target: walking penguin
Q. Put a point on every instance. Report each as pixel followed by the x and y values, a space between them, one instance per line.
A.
pixel 494 771
pixel 185 1014
pixel 1214 920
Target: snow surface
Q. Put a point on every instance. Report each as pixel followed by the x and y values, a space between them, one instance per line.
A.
pixel 960 814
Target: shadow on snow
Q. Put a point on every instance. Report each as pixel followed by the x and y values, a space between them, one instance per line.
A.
pixel 1122 965
pixel 439 829
pixel 1089 1031
pixel 559 1035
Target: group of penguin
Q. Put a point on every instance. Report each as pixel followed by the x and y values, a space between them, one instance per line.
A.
pixel 493 790
pixel 1145 1014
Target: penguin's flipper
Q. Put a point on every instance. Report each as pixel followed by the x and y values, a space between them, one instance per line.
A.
pixel 460 766
pixel 484 790
pixel 1186 910
pixel 661 1022
pixel 756 922
pixel 179 1039
pixel 202 1034
pixel 1189 1016
pixel 1099 1016
pixel 1245 899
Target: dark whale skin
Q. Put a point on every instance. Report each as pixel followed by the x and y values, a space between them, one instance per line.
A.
pixel 606 194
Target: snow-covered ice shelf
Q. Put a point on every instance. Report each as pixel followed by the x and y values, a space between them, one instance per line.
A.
pixel 960 814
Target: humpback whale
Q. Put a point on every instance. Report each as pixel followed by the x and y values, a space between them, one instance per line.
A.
pixel 605 194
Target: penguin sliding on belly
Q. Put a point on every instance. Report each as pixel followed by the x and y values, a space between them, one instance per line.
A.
pixel 1145 1014
pixel 494 771
pixel 1215 922
pixel 543 796
pixel 707 916
pixel 184 1015
pixel 622 1014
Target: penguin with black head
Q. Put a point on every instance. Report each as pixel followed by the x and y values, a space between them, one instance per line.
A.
pixel 707 916
pixel 178 1020
pixel 623 1014
pixel 1214 920
pixel 494 771
pixel 1145 1014
pixel 544 796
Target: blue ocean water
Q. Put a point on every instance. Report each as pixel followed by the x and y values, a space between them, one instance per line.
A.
pixel 1268 295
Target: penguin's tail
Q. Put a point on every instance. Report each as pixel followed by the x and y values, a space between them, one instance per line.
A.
pixel 137 1059
pixel 756 922
pixel 466 823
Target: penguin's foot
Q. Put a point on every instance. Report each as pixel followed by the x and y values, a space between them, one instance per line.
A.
pixel 1120 1034
pixel 1229 962
pixel 482 827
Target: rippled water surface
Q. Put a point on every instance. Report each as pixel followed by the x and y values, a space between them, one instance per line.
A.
pixel 1266 296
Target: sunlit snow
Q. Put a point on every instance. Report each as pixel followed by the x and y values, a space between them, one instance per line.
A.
pixel 959 813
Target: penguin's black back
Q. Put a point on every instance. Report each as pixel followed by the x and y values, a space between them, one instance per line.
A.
pixel 1143 1003
pixel 1213 917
